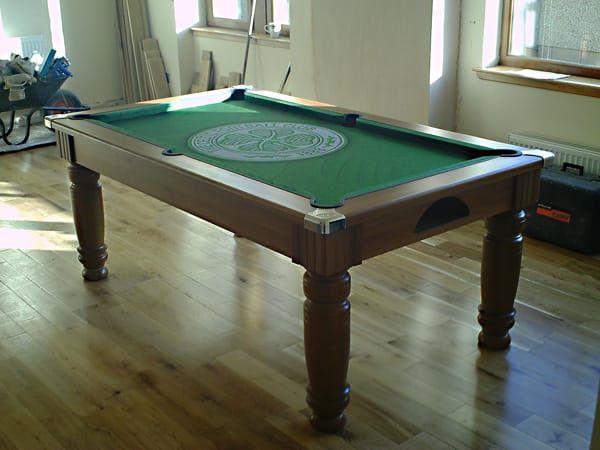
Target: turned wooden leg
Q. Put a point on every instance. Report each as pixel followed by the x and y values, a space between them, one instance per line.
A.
pixel 327 347
pixel 88 215
pixel 500 269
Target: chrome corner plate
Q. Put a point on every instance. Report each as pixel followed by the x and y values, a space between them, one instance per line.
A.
pixel 324 221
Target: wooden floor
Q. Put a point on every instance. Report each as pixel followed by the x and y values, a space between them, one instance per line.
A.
pixel 195 340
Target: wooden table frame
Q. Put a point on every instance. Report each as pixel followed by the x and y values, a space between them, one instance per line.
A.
pixel 496 190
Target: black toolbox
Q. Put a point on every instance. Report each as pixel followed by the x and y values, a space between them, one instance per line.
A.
pixel 568 211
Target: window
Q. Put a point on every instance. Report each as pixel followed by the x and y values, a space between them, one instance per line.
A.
pixel 236 14
pixel 560 36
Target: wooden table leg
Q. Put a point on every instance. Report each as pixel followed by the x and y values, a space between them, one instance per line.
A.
pixel 327 347
pixel 88 215
pixel 500 269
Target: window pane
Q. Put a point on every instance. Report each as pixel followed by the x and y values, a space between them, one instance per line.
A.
pixel 281 11
pixel 230 9
pixel 524 27
pixel 558 30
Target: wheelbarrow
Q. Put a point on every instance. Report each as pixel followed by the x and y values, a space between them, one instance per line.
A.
pixel 43 95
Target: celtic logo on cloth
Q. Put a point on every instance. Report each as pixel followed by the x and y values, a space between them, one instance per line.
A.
pixel 267 141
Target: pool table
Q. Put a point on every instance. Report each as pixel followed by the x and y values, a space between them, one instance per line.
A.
pixel 324 186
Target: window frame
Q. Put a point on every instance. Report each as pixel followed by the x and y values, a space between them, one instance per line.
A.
pixel 536 63
pixel 226 23
pixel 262 16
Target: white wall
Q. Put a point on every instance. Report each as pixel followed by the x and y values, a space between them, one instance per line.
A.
pixel 91 44
pixel 28 18
pixel 492 110
pixel 25 18
pixel 161 15
pixel 344 52
pixel 367 56
pixel 444 61
pixel 187 61
pixel 266 66
pixel 176 47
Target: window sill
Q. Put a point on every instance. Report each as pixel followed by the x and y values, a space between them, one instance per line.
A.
pixel 514 75
pixel 241 36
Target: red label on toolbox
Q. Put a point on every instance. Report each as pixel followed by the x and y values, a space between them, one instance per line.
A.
pixel 550 212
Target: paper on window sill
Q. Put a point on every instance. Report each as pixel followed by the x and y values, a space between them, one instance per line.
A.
pixel 538 74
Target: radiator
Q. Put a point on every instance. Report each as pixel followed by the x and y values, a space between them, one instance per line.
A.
pixel 564 153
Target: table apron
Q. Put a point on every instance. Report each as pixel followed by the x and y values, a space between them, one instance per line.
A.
pixel 398 225
pixel 245 215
